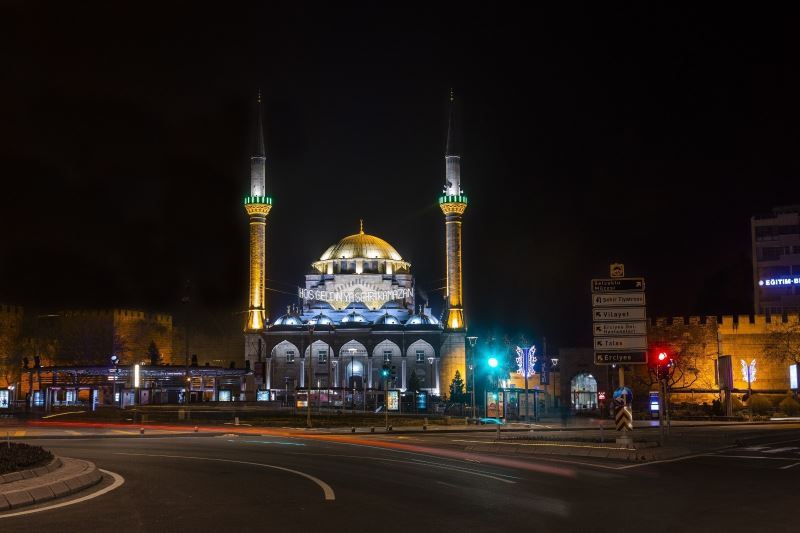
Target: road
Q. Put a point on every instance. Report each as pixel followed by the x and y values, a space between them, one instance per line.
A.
pixel 418 482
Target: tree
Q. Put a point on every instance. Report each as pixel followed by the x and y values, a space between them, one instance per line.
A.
pixel 782 344
pixel 413 382
pixel 457 389
pixel 690 347
pixel 153 354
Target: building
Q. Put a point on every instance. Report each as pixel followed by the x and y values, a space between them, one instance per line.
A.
pixel 775 240
pixel 358 309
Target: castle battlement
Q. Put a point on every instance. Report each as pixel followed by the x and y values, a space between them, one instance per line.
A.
pixel 8 309
pixel 756 324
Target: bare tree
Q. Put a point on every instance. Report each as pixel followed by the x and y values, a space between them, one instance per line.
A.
pixel 690 349
pixel 782 343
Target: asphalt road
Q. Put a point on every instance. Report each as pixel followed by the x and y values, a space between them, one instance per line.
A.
pixel 422 483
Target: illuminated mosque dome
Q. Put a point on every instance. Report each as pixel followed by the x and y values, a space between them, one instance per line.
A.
pixel 361 253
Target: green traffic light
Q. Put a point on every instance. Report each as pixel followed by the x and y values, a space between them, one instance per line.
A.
pixel 493 362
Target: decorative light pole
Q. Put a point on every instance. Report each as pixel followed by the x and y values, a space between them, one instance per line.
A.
pixel 526 359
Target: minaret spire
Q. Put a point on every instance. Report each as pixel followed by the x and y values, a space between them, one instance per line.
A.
pixel 452 185
pixel 258 162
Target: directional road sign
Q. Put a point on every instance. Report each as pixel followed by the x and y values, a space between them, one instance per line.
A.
pixel 622 358
pixel 618 299
pixel 620 343
pixel 611 329
pixel 618 285
pixel 618 313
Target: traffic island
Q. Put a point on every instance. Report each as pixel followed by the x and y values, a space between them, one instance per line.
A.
pixel 62 476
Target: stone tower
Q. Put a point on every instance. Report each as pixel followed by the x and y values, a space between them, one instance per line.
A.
pixel 257 205
pixel 453 203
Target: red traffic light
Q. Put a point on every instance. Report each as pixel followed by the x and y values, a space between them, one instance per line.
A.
pixel 663 357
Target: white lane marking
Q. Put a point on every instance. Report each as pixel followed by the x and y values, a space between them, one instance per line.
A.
pixel 778 450
pixel 753 448
pixel 685 457
pixel 462 469
pixel 752 457
pixel 118 481
pixel 787 467
pixel 326 489
pixel 426 463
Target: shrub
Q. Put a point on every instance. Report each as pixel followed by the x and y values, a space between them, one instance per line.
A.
pixel 790 406
pixel 759 404
pixel 20 456
pixel 737 404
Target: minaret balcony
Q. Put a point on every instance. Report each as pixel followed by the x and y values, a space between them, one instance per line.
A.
pixel 257 200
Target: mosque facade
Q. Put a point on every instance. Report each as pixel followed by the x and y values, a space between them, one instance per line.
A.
pixel 357 312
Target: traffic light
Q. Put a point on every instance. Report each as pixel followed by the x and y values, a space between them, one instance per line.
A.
pixel 393 373
pixel 386 371
pixel 662 361
pixel 493 362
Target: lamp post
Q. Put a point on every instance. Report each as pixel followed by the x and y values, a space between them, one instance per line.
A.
pixel 472 341
pixel 352 352
pixel 310 363
pixel 430 380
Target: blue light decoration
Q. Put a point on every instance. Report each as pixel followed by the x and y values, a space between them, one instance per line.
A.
pixel 526 361
pixel 748 372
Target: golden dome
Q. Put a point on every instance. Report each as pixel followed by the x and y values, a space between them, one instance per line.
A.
pixel 361 246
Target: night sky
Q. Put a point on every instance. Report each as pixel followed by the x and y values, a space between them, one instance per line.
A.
pixel 588 136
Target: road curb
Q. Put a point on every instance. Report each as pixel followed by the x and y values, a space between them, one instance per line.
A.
pixel 52 484
pixel 53 465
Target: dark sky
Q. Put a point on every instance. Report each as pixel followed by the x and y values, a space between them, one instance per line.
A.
pixel 588 135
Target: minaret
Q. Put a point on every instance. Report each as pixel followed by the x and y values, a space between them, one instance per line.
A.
pixel 453 203
pixel 257 205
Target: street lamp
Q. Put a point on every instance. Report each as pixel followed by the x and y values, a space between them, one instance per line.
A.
pixel 352 368
pixel 472 341
pixel 430 380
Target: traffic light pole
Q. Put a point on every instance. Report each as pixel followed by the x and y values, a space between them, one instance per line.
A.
pixel 386 402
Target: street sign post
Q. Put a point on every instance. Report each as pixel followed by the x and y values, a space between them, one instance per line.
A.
pixel 619 329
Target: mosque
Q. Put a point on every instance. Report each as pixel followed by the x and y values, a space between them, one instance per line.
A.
pixel 358 312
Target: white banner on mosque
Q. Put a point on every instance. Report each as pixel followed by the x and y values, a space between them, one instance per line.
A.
pixel 354 295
